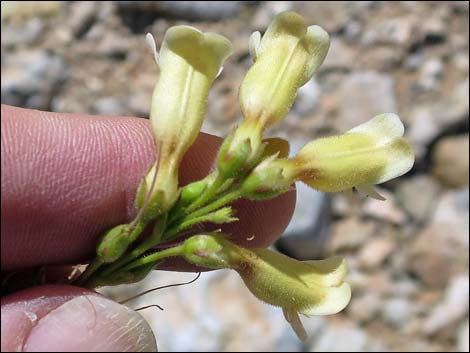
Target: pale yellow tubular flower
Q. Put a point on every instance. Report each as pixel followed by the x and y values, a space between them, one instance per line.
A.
pixel 371 153
pixel 189 62
pixel 286 57
pixel 298 287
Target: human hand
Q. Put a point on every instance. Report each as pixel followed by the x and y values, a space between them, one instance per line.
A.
pixel 65 179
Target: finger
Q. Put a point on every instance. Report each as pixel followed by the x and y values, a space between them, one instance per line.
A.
pixel 67 178
pixel 66 318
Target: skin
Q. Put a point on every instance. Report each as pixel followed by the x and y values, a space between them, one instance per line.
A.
pixel 65 179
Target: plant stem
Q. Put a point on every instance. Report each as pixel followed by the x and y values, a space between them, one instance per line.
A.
pixel 227 198
pixel 175 251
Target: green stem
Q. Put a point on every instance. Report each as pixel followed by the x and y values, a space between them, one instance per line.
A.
pixel 170 252
pixel 227 198
pixel 199 215
pixel 185 225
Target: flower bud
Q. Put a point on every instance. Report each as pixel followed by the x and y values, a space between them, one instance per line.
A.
pixel 114 243
pixel 192 191
pixel 211 251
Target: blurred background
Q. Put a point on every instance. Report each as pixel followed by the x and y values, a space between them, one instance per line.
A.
pixel 408 256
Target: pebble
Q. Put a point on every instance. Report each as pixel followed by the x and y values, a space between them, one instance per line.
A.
pixel 350 233
pixel 376 251
pixel 397 311
pixel 362 95
pixel 451 161
pixel 386 210
pixel 452 308
pixel 31 77
pixel 417 195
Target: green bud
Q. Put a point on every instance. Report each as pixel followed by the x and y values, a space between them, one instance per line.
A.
pixel 209 251
pixel 191 192
pixel 114 243
pixel 265 181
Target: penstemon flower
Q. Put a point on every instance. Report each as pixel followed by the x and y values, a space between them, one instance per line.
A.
pixel 248 166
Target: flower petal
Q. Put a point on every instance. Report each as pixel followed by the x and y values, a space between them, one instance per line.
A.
pixel 385 127
pixel 333 301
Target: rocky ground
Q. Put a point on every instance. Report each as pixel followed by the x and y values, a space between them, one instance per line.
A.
pixel 408 256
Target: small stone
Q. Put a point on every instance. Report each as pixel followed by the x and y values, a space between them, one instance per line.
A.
pixel 414 61
pixel 417 196
pixel 331 16
pixel 341 340
pixel 376 251
pixel 433 30
pixel 30 78
pixel 454 107
pixel 308 98
pixel 27 33
pixel 366 307
pixel 108 106
pixel 452 308
pixel 82 16
pixel 428 121
pixel 362 95
pixel 341 337
pixel 350 233
pixel 386 210
pixel 393 31
pixel 430 74
pixel 435 254
pixel 397 311
pixel 451 161
pixel 190 10
pixel 461 62
pixel 340 56
pixel 267 10
pixel 452 211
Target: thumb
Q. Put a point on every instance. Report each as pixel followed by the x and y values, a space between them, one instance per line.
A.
pixel 66 318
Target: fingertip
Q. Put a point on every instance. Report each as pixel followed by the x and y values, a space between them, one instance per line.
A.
pixel 66 318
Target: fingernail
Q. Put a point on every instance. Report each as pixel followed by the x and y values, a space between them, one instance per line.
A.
pixel 91 323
